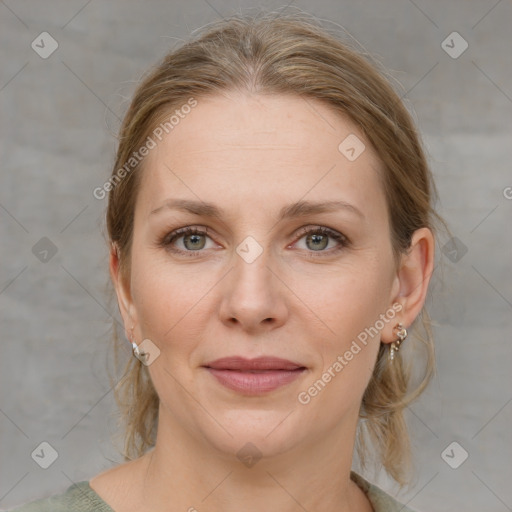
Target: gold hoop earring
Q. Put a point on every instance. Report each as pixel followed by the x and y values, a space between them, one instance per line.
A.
pixel 395 345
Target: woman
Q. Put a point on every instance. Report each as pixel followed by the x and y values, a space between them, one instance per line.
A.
pixel 271 245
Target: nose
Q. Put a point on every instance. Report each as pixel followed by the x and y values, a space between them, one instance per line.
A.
pixel 254 296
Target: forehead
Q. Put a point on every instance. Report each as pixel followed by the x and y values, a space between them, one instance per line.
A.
pixel 259 150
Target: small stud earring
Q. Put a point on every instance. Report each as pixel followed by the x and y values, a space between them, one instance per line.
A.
pixel 137 352
pixel 134 345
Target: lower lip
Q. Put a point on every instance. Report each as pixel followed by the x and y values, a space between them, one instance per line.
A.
pixel 255 383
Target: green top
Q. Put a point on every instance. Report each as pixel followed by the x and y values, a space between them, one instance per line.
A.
pixel 80 497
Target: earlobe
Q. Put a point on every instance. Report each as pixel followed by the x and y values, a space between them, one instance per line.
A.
pixel 413 277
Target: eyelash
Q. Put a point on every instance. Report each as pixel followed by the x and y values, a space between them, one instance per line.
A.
pixel 340 238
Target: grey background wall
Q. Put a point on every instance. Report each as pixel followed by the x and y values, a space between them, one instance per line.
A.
pixel 58 116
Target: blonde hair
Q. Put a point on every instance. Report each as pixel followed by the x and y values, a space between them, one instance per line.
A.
pixel 289 54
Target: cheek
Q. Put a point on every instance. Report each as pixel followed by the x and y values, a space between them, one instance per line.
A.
pixel 346 307
pixel 346 359
pixel 168 298
pixel 344 301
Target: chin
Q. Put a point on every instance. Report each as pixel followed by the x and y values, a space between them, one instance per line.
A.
pixel 254 433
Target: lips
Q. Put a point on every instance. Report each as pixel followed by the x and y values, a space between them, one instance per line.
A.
pixel 258 364
pixel 254 376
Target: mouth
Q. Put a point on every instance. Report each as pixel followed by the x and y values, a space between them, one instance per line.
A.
pixel 254 376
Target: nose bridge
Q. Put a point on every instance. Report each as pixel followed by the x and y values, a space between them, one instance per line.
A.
pixel 252 292
pixel 251 263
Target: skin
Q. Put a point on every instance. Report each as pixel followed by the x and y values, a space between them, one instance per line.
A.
pixel 251 155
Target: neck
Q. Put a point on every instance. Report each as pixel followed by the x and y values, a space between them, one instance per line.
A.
pixel 185 473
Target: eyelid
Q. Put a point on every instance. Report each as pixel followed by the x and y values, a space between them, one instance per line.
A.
pixel 333 233
pixel 185 230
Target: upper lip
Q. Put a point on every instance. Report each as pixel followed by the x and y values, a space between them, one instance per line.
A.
pixel 259 363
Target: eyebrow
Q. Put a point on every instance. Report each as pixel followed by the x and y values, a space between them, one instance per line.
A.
pixel 298 209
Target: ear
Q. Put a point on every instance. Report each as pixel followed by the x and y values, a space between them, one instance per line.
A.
pixel 411 281
pixel 123 292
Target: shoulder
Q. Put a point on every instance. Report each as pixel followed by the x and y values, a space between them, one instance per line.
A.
pixel 79 497
pixel 380 500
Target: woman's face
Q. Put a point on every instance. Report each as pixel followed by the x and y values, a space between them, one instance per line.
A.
pixel 260 283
